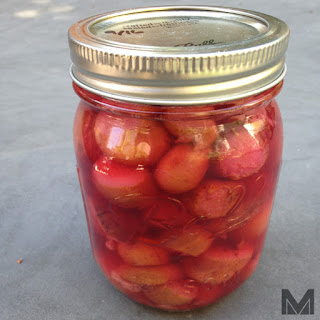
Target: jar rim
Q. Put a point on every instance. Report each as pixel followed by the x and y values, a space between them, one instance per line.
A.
pixel 181 112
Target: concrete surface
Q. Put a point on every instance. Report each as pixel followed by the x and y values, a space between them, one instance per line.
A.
pixel 42 218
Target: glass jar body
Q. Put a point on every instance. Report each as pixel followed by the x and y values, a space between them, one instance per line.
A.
pixel 178 199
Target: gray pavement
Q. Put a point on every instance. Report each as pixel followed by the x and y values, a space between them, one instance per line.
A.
pixel 41 213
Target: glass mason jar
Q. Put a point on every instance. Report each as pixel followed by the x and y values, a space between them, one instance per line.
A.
pixel 178 140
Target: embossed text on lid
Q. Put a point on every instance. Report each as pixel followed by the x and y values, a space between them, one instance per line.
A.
pixel 178 54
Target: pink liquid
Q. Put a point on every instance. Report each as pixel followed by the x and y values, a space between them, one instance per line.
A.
pixel 177 210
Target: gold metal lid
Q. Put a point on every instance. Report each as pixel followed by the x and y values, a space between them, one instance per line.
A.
pixel 178 55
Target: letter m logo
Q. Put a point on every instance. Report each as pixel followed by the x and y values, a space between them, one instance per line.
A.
pixel 291 306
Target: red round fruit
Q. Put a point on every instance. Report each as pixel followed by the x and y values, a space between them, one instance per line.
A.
pixel 218 264
pixel 201 133
pixel 149 275
pixel 110 221
pixel 168 213
pixel 119 223
pixel 254 198
pixel 130 140
pixel 126 187
pixel 164 216
pixel 140 254
pixel 181 169
pixel 109 262
pixel 191 240
pixel 240 150
pixel 214 198
pixel 254 227
pixel 173 293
